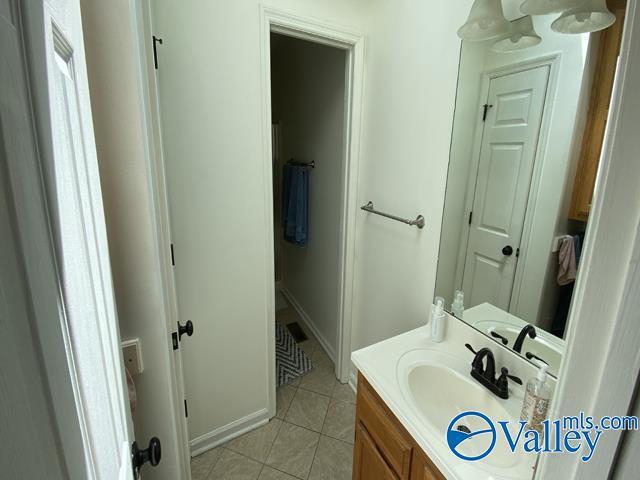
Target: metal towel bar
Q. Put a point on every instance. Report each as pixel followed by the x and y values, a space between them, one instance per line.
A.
pixel 418 222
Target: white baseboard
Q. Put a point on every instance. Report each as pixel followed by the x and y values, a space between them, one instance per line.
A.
pixel 228 432
pixel 308 322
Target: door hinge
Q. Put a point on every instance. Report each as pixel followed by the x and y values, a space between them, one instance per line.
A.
pixel 156 41
pixel 470 216
pixel 174 340
pixel 186 409
pixel 486 108
pixel 173 257
pixel 517 252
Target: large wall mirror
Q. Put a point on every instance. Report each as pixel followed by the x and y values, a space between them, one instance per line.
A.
pixel 529 124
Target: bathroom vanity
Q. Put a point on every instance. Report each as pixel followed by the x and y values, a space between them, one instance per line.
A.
pixel 411 389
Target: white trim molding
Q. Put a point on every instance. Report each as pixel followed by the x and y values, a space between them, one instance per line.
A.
pixel 308 322
pixel 353 42
pixel 228 432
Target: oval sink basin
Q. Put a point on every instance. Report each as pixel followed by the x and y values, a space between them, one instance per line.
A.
pixel 439 387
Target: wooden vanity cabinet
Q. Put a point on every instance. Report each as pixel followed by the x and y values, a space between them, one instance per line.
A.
pixel 383 449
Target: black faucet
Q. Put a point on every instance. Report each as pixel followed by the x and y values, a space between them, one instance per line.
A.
pixel 486 374
pixel 527 330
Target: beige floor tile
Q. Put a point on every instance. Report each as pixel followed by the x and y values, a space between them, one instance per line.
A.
pixel 203 463
pixel 320 380
pixel 333 460
pixel 295 382
pixel 293 450
pixel 308 410
pixel 269 473
pixel 284 395
pixel 309 346
pixel 257 443
pixel 320 356
pixel 340 421
pixel 344 392
pixel 233 466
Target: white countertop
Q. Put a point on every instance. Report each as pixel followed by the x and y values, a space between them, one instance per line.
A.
pixel 378 363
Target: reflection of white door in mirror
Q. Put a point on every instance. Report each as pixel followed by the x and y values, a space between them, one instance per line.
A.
pixel 507 154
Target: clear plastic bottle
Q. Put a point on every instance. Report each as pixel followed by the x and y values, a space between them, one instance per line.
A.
pixel 457 307
pixel 438 321
pixel 536 399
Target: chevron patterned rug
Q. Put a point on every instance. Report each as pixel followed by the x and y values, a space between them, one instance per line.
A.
pixel 291 361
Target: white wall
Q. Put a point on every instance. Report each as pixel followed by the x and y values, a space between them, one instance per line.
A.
pixel 211 95
pixel 308 99
pixel 120 143
pixel 411 71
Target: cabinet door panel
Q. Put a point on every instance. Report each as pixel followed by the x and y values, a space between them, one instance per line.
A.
pixel 423 469
pixel 389 439
pixel 368 463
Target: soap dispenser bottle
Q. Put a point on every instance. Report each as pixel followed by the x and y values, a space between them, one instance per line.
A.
pixel 457 307
pixel 536 399
pixel 438 319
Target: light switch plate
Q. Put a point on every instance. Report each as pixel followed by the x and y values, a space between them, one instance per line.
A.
pixel 132 354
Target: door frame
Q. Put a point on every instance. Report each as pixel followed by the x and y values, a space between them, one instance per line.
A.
pixel 553 61
pixel 353 42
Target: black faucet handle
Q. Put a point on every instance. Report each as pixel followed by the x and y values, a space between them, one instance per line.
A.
pixel 499 337
pixel 531 356
pixel 505 374
pixel 470 348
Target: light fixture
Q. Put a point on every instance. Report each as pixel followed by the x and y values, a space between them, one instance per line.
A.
pixel 590 16
pixel 486 21
pixel 521 35
pixel 544 7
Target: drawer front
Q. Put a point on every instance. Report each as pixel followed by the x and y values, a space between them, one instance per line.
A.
pixel 388 437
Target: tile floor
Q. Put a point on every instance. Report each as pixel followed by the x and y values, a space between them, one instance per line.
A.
pixel 311 436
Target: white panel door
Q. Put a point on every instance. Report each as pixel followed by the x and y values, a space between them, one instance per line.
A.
pixel 82 251
pixel 507 154
pixel 26 421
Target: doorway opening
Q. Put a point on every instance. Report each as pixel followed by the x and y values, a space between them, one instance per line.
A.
pixel 308 137
pixel 312 89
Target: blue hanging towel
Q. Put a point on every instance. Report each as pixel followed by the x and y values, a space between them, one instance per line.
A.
pixel 295 204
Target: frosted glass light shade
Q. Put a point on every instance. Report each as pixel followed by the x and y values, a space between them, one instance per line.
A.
pixel 521 35
pixel 590 16
pixel 544 7
pixel 486 21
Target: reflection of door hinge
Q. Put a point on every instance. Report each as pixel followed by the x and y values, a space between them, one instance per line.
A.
pixel 174 340
pixel 517 252
pixel 470 216
pixel 156 40
pixel 486 108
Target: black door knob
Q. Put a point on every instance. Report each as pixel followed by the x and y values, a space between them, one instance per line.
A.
pixel 152 455
pixel 508 250
pixel 186 328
